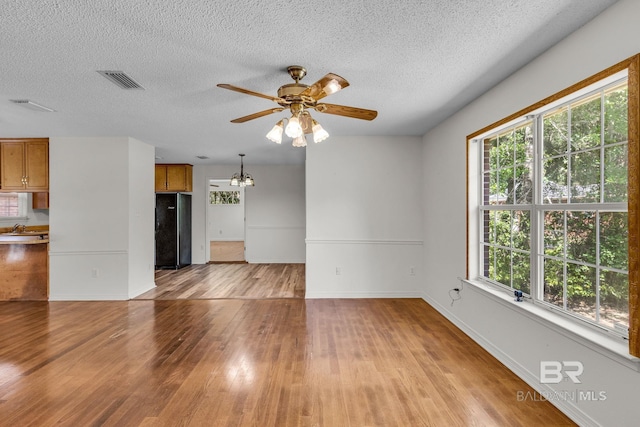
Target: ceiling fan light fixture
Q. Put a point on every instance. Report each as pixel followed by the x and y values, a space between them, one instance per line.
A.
pixel 319 134
pixel 293 129
pixel 299 141
pixel 275 134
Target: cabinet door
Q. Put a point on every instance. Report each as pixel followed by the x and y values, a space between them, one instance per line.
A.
pixel 12 166
pixel 161 178
pixel 40 200
pixel 36 165
pixel 176 178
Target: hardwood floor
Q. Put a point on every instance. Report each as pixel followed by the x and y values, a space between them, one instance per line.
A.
pixel 228 251
pixel 243 362
pixel 211 281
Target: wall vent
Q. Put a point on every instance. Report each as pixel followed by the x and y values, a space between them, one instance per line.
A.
pixel 26 103
pixel 120 79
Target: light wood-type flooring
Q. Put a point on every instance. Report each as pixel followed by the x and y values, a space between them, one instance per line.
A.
pixel 228 251
pixel 250 362
pixel 212 281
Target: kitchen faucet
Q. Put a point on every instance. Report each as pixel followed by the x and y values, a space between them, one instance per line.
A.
pixel 17 227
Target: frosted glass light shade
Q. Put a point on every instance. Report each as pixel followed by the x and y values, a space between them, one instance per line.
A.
pixel 319 134
pixel 275 134
pixel 293 128
pixel 299 141
pixel 332 86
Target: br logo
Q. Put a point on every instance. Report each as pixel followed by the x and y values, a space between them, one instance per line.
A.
pixel 553 371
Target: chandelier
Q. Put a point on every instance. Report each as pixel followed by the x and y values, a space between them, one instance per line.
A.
pixel 241 179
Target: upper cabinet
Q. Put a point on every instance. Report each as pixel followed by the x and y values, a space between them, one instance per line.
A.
pixel 174 178
pixel 24 164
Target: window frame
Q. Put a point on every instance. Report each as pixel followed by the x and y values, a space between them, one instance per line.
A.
pixel 632 67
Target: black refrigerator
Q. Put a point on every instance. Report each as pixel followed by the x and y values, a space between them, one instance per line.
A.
pixel 173 230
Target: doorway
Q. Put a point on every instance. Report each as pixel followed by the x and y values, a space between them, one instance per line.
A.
pixel 226 222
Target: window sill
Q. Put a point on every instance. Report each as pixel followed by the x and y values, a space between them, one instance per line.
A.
pixel 613 347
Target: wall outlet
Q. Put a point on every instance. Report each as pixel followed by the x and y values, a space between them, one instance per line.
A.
pixel 412 271
pixel 95 273
pixel 338 271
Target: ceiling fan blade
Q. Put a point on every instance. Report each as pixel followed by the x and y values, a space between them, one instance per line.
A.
pixel 256 115
pixel 249 92
pixel 343 110
pixel 331 83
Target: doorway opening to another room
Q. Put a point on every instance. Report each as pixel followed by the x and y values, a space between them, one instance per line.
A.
pixel 226 222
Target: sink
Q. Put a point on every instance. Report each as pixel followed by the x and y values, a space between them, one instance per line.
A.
pixel 19 237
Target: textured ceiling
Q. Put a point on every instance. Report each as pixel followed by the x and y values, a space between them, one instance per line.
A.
pixel 415 62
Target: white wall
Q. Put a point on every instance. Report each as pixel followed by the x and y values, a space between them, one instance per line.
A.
pixel 275 212
pixel 226 222
pixel 364 217
pixel 142 202
pixel 514 338
pixel 101 218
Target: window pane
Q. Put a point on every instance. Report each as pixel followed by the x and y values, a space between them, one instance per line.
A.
pixel 554 282
pixel 495 197
pixel 521 272
pixel 615 116
pixel 524 144
pixel 614 240
pixel 502 266
pixel 615 173
pixel 554 131
pixel 521 230
pixel 585 124
pixel 585 177
pixel 505 150
pixel 581 236
pixel 581 290
pixel 554 180
pixel 503 228
pixel 614 298
pixel 523 189
pixel 492 146
pixel 488 261
pixel 554 233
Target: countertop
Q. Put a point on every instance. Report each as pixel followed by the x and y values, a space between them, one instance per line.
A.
pixel 25 242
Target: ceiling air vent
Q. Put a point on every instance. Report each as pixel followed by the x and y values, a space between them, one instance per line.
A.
pixel 121 79
pixel 26 103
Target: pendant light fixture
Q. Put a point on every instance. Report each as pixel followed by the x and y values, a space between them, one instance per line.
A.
pixel 241 179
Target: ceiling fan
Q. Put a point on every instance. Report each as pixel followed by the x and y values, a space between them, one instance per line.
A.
pixel 299 98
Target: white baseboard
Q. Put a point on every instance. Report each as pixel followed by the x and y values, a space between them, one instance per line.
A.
pixel 566 406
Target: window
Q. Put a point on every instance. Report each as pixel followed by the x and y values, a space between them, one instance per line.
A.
pixel 13 205
pixel 554 204
pixel 554 207
pixel 224 197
